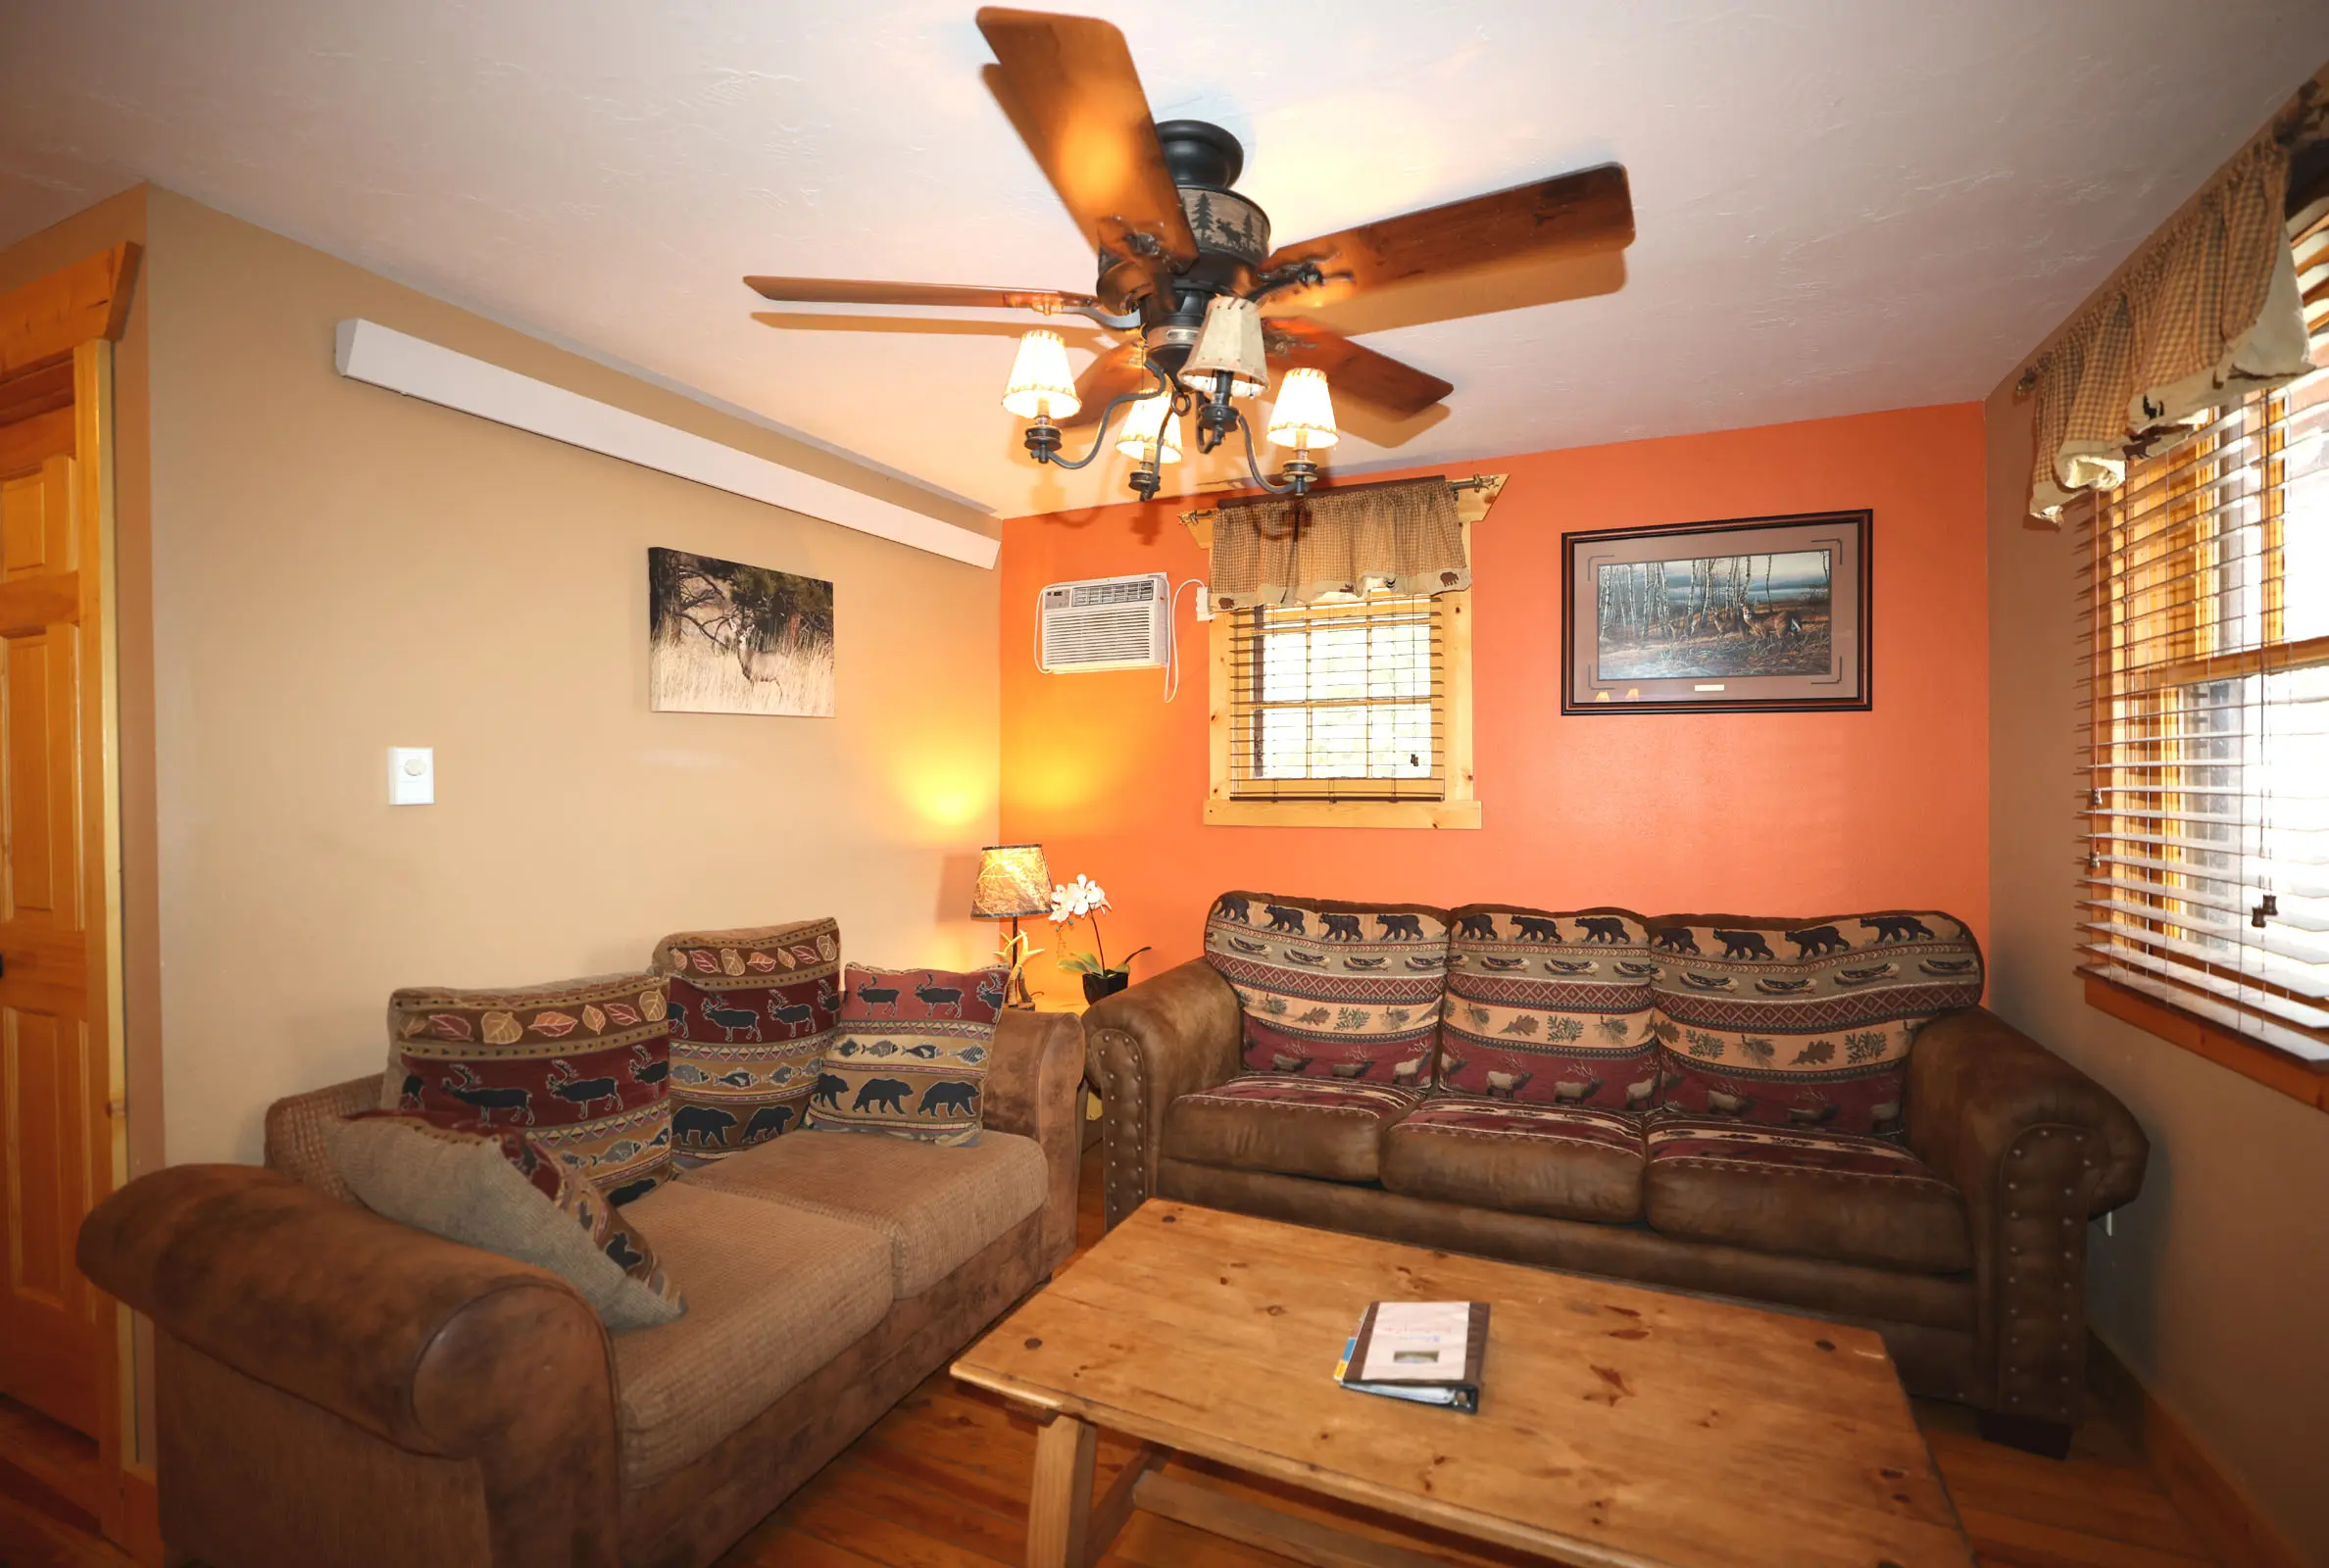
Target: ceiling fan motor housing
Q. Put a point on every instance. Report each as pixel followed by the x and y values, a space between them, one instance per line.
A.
pixel 1232 234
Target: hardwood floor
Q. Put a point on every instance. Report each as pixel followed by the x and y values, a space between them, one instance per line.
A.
pixel 942 1481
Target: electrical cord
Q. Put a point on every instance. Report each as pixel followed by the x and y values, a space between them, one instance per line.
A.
pixel 1172 631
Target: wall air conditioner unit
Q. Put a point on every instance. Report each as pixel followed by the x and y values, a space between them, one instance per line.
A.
pixel 1106 623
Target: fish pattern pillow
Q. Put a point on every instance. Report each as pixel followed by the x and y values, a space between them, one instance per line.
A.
pixel 753 1012
pixel 910 1053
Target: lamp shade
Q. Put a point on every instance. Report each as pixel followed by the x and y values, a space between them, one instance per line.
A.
pixel 1014 882
pixel 1153 432
pixel 1231 340
pixel 1040 383
pixel 1304 413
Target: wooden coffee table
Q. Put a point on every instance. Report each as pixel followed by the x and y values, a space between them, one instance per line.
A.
pixel 1618 1426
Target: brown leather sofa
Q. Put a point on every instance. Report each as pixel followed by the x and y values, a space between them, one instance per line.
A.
pixel 1983 1305
pixel 339 1389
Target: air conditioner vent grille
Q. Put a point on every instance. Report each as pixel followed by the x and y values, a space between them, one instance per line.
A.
pixel 1106 623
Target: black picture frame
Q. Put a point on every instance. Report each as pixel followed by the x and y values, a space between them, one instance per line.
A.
pixel 1782 628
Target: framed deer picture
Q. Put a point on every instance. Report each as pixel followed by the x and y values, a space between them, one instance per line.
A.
pixel 1753 614
pixel 726 638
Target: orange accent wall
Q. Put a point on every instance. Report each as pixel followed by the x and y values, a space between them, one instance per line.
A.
pixel 1770 813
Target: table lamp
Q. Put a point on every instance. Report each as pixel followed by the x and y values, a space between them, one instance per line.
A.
pixel 1013 883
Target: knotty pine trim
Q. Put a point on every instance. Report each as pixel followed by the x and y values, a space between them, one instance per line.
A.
pixel 2203 1037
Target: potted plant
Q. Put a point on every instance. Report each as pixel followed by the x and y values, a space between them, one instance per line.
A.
pixel 1083 900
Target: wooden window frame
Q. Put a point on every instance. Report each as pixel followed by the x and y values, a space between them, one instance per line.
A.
pixel 2196 658
pixel 1457 809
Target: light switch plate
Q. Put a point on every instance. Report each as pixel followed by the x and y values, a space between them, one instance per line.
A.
pixel 411 775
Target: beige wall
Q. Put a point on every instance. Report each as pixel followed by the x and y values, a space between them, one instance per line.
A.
pixel 338 569
pixel 2210 1285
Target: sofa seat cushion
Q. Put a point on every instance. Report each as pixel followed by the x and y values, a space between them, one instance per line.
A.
pixel 937 1206
pixel 1333 989
pixel 1566 1163
pixel 1834 1195
pixel 1548 1009
pixel 773 1293
pixel 1289 1124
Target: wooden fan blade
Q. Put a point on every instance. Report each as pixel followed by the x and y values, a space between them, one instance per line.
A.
pixel 1109 377
pixel 1353 369
pixel 1591 209
pixel 1076 99
pixel 857 291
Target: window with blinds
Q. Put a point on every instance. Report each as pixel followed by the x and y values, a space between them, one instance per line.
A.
pixel 2206 673
pixel 1340 700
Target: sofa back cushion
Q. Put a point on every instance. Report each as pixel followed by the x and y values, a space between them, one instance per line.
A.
pixel 1803 1023
pixel 499 1189
pixel 578 1065
pixel 752 1012
pixel 1548 1009
pixel 910 1054
pixel 1333 989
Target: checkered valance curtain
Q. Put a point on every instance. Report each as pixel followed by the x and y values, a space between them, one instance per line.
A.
pixel 1403 537
pixel 2208 313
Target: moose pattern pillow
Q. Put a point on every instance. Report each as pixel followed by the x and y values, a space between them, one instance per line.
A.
pixel 581 1066
pixel 752 1012
pixel 910 1054
pixel 1546 1008
pixel 497 1188
pixel 1333 989
pixel 1803 1023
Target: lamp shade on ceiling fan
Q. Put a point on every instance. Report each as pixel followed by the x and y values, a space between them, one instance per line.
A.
pixel 1013 883
pixel 1041 385
pixel 1231 340
pixel 1304 413
pixel 1152 432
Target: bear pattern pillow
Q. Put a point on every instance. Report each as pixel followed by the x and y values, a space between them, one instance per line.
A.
pixel 910 1053
pixel 497 1188
pixel 1803 1023
pixel 1548 1009
pixel 1333 989
pixel 581 1066
pixel 753 1009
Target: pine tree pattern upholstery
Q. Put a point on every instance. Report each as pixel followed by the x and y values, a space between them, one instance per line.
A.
pixel 579 1065
pixel 1548 1009
pixel 753 1009
pixel 1331 990
pixel 1803 1023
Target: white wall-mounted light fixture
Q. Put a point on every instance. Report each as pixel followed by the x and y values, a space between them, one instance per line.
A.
pixel 368 352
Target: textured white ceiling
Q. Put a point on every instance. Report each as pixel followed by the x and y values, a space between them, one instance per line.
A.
pixel 1842 205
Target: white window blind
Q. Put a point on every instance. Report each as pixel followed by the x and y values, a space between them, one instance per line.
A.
pixel 2206 666
pixel 1339 700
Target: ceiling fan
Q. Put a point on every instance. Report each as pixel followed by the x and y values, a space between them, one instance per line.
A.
pixel 1188 274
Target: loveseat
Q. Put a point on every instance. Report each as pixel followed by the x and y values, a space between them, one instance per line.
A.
pixel 1813 1114
pixel 339 1389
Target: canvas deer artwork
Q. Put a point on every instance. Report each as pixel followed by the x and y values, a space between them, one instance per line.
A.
pixel 726 638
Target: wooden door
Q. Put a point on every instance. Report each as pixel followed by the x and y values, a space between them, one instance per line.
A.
pixel 59 1127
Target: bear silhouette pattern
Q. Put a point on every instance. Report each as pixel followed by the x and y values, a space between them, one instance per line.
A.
pixel 753 1012
pixel 908 1053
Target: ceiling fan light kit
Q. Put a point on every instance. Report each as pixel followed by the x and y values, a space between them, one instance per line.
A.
pixel 1187 275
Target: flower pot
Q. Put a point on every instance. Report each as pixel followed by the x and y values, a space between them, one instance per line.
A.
pixel 1097 986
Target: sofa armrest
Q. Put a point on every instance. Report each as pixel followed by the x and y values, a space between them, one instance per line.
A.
pixel 297 1125
pixel 1034 1088
pixel 1151 1044
pixel 2037 1149
pixel 436 1347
